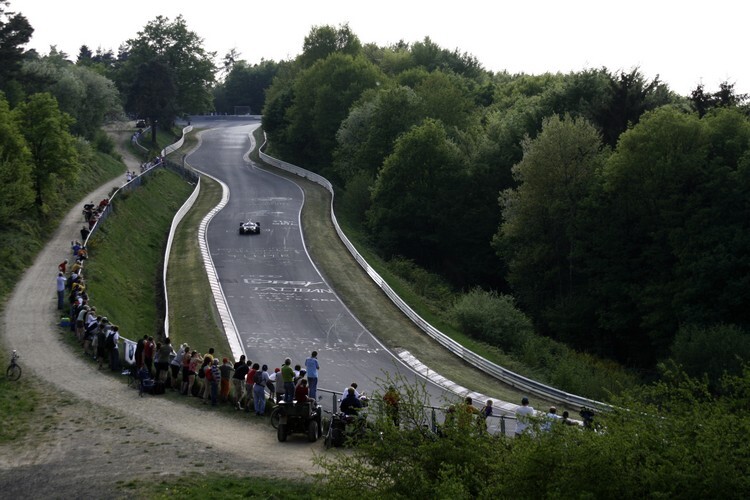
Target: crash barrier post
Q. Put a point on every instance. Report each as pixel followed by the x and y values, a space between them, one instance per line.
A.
pixel 511 378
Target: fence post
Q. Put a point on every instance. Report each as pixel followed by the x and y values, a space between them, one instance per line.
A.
pixel 434 420
pixel 502 424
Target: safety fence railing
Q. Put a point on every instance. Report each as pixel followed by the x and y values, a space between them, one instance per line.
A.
pixel 134 183
pixel 508 377
pixel 432 416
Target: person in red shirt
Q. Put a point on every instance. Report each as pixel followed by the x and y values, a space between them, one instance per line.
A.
pixel 301 392
pixel 148 354
pixel 249 383
pixel 63 266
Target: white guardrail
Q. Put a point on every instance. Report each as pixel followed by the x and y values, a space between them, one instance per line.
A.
pixel 511 378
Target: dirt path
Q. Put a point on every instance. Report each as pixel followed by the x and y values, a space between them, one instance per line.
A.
pixel 97 431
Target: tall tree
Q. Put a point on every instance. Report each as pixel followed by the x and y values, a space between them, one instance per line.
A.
pixel 16 185
pixel 323 41
pixel 15 32
pixel 414 197
pixel 183 52
pixel 541 227
pixel 153 95
pixel 52 148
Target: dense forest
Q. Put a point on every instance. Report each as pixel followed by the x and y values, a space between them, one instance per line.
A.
pixel 612 210
pixel 597 208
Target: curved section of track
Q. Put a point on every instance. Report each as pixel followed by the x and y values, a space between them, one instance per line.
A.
pixel 280 304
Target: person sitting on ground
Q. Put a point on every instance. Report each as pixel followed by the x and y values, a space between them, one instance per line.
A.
pixel 351 404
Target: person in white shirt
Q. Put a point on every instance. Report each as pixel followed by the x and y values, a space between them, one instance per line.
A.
pixel 523 414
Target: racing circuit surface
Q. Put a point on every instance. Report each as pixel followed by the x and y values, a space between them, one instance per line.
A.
pixel 280 304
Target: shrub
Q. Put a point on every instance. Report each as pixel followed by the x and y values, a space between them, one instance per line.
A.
pixel 493 318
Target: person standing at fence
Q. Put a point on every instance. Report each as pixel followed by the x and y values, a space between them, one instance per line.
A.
pixel 61 282
pixel 226 374
pixel 148 354
pixel 238 381
pixel 287 376
pixel 523 417
pixel 259 391
pixel 312 366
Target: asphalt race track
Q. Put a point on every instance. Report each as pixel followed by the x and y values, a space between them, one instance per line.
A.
pixel 280 304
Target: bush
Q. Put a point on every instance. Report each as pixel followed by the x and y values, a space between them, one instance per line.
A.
pixel 711 351
pixel 103 143
pixel 429 285
pixel 493 318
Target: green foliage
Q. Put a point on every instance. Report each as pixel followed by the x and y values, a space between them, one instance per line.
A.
pixel 711 352
pixel 245 85
pixel 323 95
pixel 16 185
pixel 15 32
pixel 153 94
pixel 430 286
pixel 657 446
pixel 208 485
pixel 182 51
pixel 53 154
pixel 18 400
pixel 322 41
pixel 409 216
pixel 493 318
pixel 88 97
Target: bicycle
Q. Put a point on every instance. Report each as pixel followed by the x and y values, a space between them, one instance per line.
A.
pixel 14 370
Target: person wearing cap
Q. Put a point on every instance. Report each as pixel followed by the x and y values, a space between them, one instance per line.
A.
pixel 523 417
pixel 226 374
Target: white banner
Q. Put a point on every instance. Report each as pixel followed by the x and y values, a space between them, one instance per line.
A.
pixel 129 356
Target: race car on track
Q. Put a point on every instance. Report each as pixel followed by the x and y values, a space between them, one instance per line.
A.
pixel 249 227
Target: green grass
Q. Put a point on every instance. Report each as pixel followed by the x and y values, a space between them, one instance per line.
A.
pixel 193 316
pixel 18 402
pixel 198 485
pixel 124 270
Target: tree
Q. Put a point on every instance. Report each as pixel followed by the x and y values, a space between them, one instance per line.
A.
pixel 323 41
pixel 53 154
pixel 323 95
pixel 181 50
pixel 154 93
pixel 542 229
pixel 15 32
pixel 16 185
pixel 245 85
pixel 415 197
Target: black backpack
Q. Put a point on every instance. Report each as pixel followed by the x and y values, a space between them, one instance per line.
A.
pixel 258 378
pixel 110 342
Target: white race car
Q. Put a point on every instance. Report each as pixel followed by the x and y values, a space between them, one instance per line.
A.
pixel 249 227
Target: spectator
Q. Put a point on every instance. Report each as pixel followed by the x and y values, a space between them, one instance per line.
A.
pixel 75 245
pixel 486 410
pixel 226 373
pixel 259 391
pixel 175 365
pixel 287 376
pixel 61 282
pixel 278 384
pixel 351 404
pixel 249 383
pixel 85 231
pixel 165 354
pixel 523 417
pixel 62 266
pixel 195 361
pixel 238 380
pixel 80 319
pixel 206 370
pixel 113 337
pixel 312 366
pixel 148 354
pixel 550 419
pixel 215 374
pixel 392 398
pixel 101 336
pixel 139 348
pixel 302 392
